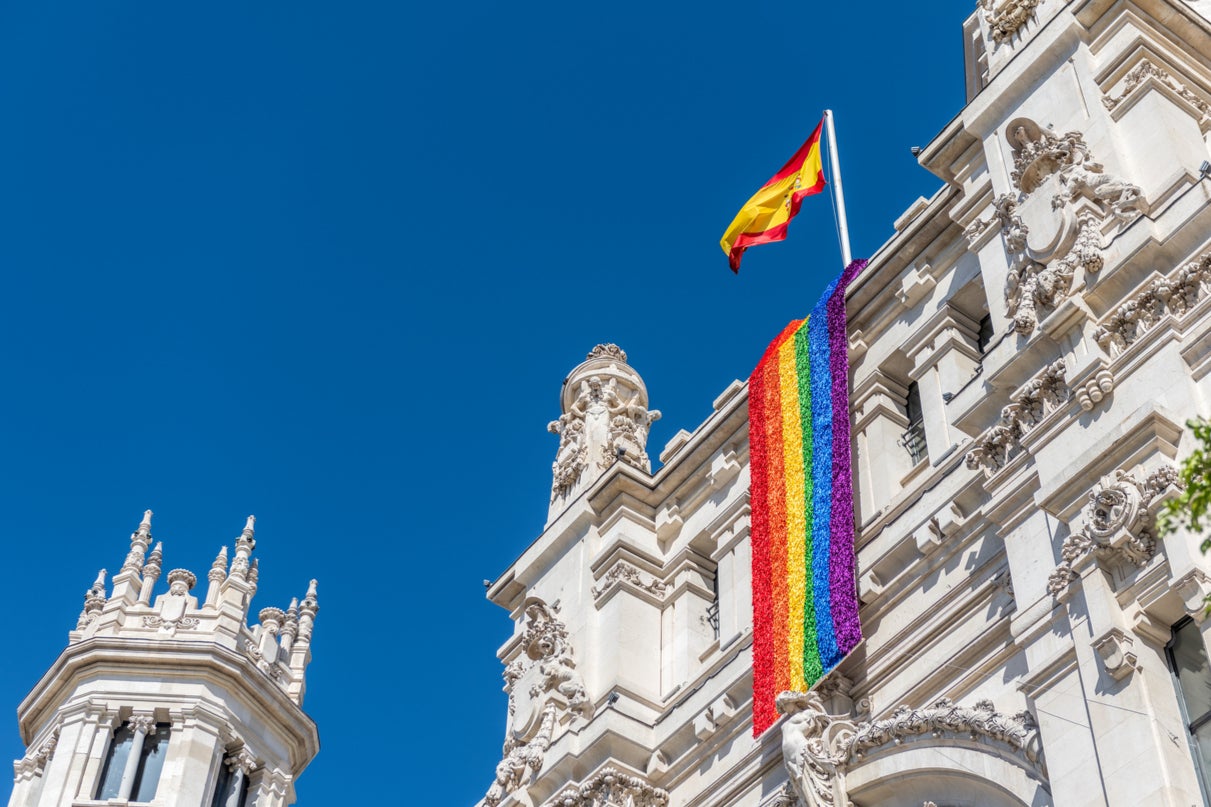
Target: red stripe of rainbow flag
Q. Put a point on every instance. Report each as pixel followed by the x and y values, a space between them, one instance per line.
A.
pixel 805 600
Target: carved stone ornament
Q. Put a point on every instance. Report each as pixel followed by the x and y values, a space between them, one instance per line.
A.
pixel 1146 70
pixel 1118 523
pixel 609 351
pixel 1006 18
pixel 629 574
pixel 1028 406
pixel 1170 296
pixel 818 748
pixel 1053 226
pixel 542 683
pixel 611 788
pixel 94 602
pixel 605 420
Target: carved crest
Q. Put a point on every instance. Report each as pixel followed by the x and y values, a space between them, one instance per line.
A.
pixel 542 682
pixel 1117 524
pixel 1054 225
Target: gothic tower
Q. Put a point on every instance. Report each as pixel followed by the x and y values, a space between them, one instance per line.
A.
pixel 162 701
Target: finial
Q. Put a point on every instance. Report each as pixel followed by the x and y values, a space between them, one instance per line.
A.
pixel 248 526
pixel 293 608
pixel 310 592
pixel 157 554
pixel 608 351
pixel 183 577
pixel 145 524
pixel 254 571
pixel 98 586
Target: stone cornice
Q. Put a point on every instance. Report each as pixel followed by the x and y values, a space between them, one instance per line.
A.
pixel 167 659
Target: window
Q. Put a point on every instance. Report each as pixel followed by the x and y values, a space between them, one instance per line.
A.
pixel 232 788
pixel 712 610
pixel 134 760
pixel 984 337
pixel 913 438
pixel 1187 654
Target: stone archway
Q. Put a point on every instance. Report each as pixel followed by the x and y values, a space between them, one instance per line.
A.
pixel 946 774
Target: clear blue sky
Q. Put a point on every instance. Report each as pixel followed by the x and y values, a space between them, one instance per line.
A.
pixel 328 263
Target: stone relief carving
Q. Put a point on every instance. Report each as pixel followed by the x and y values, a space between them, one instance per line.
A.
pixel 522 761
pixel 1007 17
pixel 1146 70
pixel 785 797
pixel 1053 226
pixel 628 573
pixel 1116 654
pixel 541 684
pixel 171 617
pixel 1028 406
pixel 1166 296
pixel 605 420
pixel 611 788
pixel 1118 523
pixel 36 757
pixel 818 747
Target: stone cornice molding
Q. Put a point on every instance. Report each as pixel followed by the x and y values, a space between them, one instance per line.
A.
pixel 112 657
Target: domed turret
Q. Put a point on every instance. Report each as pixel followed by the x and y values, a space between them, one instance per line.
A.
pixel 605 420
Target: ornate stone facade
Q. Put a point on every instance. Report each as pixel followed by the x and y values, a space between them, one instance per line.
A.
pixel 1048 308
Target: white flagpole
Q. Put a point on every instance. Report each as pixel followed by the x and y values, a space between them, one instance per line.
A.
pixel 838 192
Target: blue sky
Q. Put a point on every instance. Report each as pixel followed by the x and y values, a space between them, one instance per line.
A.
pixel 328 263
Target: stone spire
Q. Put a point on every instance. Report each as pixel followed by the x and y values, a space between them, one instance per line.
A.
pixel 605 420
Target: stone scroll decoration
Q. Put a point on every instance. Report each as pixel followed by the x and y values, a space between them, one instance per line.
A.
pixel 605 420
pixel 1170 296
pixel 1118 525
pixel 1039 396
pixel 818 748
pixel 542 684
pixel 611 788
pixel 1056 221
pixel 1006 18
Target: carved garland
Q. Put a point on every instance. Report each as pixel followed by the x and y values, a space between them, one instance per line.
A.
pixel 1008 17
pixel 611 788
pixel 1167 296
pixel 626 572
pixel 1119 520
pixel 1146 70
pixel 818 747
pixel 1030 404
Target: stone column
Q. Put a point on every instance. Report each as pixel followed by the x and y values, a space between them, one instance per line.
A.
pixel 142 725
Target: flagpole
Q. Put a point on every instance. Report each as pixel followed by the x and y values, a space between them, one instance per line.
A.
pixel 838 192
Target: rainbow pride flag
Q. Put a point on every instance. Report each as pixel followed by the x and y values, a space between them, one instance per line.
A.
pixel 805 593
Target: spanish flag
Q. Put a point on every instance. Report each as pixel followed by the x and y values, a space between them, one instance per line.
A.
pixel 764 218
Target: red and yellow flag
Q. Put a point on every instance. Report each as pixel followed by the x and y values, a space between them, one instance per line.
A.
pixel 764 218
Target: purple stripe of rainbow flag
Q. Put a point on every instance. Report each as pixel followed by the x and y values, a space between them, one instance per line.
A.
pixel 805 600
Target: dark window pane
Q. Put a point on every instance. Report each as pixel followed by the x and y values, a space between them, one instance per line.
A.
pixel 151 763
pixel 1193 670
pixel 223 785
pixel 913 438
pixel 984 337
pixel 115 762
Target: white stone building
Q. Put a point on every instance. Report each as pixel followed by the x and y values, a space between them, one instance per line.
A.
pixel 165 702
pixel 1024 353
